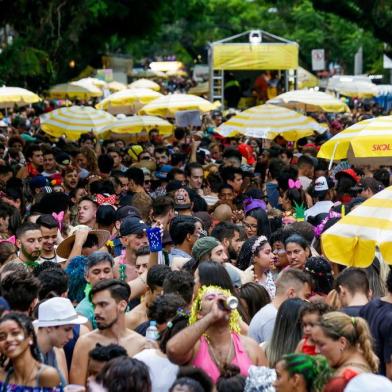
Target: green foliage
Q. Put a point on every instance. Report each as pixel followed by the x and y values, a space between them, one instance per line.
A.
pixel 187 27
pixel 22 65
pixel 50 33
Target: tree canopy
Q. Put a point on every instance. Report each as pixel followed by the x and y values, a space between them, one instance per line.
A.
pixel 49 34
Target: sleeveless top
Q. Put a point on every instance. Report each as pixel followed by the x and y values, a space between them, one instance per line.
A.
pixel 50 359
pixel 339 383
pixel 5 386
pixel 204 361
pixel 307 348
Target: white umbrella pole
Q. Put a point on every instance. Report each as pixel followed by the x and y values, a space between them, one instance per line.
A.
pixel 333 156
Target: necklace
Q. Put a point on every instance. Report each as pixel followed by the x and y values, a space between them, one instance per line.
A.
pixel 214 356
pixel 25 382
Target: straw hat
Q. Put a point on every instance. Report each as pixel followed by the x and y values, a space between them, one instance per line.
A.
pixel 65 247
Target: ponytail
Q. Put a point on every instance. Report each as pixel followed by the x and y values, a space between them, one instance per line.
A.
pixel 365 342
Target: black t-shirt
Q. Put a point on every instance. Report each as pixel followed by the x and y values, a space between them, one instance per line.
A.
pixel 378 314
pixel 352 311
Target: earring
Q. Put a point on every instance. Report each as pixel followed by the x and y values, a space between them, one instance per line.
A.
pixel 30 342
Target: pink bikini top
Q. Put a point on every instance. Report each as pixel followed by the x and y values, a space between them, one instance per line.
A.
pixel 204 361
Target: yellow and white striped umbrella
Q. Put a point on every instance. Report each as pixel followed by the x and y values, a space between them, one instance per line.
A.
pixel 309 101
pixel 200 89
pixel 145 83
pixel 128 101
pixel 268 121
pixel 137 124
pixel 353 239
pixel 358 89
pixel 90 82
pixel 74 91
pixel 116 86
pixel 368 140
pixel 168 105
pixel 74 121
pixel 11 96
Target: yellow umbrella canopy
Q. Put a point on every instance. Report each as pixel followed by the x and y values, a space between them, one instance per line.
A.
pixel 74 121
pixel 11 96
pixel 168 105
pixel 116 86
pixel 74 91
pixel 137 124
pixel 309 101
pixel 268 121
pixel 145 83
pixel 353 86
pixel 128 101
pixel 200 89
pixel 353 240
pixel 369 141
pixel 90 82
pixel 306 79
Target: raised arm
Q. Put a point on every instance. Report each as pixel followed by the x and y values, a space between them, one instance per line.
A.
pixel 181 348
pixel 139 285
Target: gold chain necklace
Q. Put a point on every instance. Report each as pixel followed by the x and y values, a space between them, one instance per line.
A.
pixel 214 357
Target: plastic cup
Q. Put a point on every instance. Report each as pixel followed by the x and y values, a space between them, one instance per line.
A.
pixel 154 239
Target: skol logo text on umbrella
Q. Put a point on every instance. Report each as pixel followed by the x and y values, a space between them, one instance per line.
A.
pixel 381 147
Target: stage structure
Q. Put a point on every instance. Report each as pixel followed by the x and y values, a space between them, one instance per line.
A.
pixel 262 51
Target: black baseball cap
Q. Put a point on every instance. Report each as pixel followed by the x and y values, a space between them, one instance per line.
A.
pixel 132 225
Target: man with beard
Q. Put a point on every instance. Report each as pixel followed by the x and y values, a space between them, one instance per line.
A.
pixel 110 300
pixel 99 266
pixel 133 237
pixel 229 236
pixel 49 229
pixel 29 242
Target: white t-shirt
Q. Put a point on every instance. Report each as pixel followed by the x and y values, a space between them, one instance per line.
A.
pixel 319 208
pixel 163 373
pixel 262 324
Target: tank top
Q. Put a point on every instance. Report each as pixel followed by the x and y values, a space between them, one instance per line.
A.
pixel 204 361
pixel 308 348
pixel 5 386
pixel 50 359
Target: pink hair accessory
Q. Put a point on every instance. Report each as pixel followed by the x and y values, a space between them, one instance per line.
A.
pixel 11 240
pixel 59 218
pixel 294 184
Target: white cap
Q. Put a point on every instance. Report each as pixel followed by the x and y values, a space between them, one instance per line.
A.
pixel 368 382
pixel 57 311
pixel 321 184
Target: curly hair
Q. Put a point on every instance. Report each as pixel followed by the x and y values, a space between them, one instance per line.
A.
pixel 125 374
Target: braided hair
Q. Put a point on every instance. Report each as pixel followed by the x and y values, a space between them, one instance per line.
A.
pixel 314 369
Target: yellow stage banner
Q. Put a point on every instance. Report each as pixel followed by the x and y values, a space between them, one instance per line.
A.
pixel 255 56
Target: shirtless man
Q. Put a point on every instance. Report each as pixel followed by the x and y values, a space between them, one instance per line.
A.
pixel 155 277
pixel 110 299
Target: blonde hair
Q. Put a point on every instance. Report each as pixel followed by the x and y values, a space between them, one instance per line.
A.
pixel 355 330
pixel 235 317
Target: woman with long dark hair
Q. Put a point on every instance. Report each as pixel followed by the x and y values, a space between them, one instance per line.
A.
pixel 256 223
pixel 23 370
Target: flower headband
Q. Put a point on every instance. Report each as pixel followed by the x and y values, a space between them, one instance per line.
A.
pixel 258 242
pixel 318 230
pixel 235 318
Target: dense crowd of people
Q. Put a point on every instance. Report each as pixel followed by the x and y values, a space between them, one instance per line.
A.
pixel 184 263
